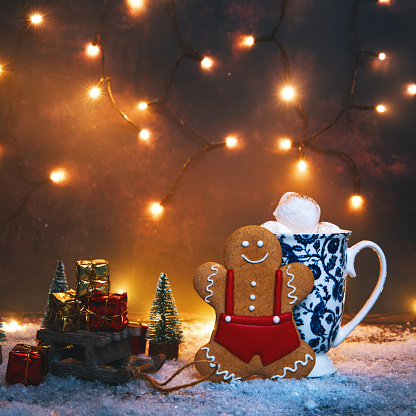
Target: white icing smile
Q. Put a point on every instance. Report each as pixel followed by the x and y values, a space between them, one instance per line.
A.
pixel 254 261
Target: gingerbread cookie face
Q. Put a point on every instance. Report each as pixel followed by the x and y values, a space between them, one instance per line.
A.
pixel 250 246
pixel 253 297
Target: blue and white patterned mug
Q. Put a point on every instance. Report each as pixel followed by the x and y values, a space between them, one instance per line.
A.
pixel 318 316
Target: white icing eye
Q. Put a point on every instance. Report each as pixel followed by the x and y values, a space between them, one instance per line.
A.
pixel 260 243
pixel 245 243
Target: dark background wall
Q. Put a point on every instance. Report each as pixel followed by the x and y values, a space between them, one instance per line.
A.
pixel 100 212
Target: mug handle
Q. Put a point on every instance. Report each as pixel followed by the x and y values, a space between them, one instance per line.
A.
pixel 344 331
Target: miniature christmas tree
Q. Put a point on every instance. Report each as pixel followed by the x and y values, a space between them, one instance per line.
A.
pixel 2 338
pixel 2 333
pixel 59 284
pixel 164 333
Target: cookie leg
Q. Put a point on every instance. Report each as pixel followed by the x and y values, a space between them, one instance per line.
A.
pixel 297 364
pixel 230 368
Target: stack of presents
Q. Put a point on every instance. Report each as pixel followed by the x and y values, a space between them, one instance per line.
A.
pixel 90 308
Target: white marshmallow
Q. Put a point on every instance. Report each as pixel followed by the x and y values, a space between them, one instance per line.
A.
pixel 276 228
pixel 326 228
pixel 299 213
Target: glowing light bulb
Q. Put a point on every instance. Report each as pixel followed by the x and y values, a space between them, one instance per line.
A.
pixel 13 326
pixel 95 92
pixel 231 142
pixel 381 108
pixel 142 106
pixel 285 144
pixel 411 89
pixel 384 1
pixel 92 50
pixel 356 201
pixel 288 93
pixel 58 175
pixel 144 135
pixel 382 56
pixel 136 4
pixel 36 18
pixel 302 165
pixel 156 210
pixel 206 63
pixel 247 41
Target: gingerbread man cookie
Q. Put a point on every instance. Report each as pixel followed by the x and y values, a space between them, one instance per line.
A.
pixel 253 297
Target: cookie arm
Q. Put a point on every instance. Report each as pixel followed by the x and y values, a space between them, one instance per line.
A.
pixel 209 283
pixel 298 282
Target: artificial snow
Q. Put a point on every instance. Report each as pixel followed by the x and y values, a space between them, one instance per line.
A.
pixel 376 376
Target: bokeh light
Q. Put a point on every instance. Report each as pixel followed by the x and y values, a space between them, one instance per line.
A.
pixel 92 50
pixel 284 144
pixel 95 92
pixel 156 210
pixel 247 41
pixel 206 63
pixel 13 326
pixel 288 93
pixel 302 165
pixel 36 18
pixel 231 141
pixel 144 135
pixel 356 201
pixel 411 89
pixel 135 5
pixel 58 175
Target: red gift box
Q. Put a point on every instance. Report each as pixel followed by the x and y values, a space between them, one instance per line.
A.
pixel 27 365
pixel 137 333
pixel 107 312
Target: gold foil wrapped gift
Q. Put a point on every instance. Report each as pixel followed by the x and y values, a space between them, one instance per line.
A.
pixel 65 312
pixel 93 276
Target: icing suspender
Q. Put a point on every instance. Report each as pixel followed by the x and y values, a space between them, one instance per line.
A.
pixel 229 293
pixel 278 293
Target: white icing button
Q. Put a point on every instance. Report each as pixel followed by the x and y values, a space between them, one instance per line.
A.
pixel 260 243
pixel 276 319
pixel 253 283
pixel 252 297
pixel 245 243
pixel 251 308
pixel 228 318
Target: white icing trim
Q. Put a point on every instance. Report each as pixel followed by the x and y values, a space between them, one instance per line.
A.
pixel 294 369
pixel 290 295
pixel 216 268
pixel 227 375
pixel 254 261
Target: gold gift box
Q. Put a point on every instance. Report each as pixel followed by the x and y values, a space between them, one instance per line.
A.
pixel 65 312
pixel 93 276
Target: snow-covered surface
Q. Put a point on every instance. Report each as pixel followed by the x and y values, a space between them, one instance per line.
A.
pixel 376 376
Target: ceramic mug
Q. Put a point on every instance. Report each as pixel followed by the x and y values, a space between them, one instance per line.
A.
pixel 318 316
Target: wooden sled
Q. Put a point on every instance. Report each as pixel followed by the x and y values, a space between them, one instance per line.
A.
pixel 101 356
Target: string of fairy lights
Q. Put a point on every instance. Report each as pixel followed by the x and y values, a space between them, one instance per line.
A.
pixel 305 141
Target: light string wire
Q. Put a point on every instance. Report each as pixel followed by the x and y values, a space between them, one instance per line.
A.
pixel 304 141
pixel 186 52
pixel 309 142
pixel 11 122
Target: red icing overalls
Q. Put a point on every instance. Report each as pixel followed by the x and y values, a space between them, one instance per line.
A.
pixel 271 337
